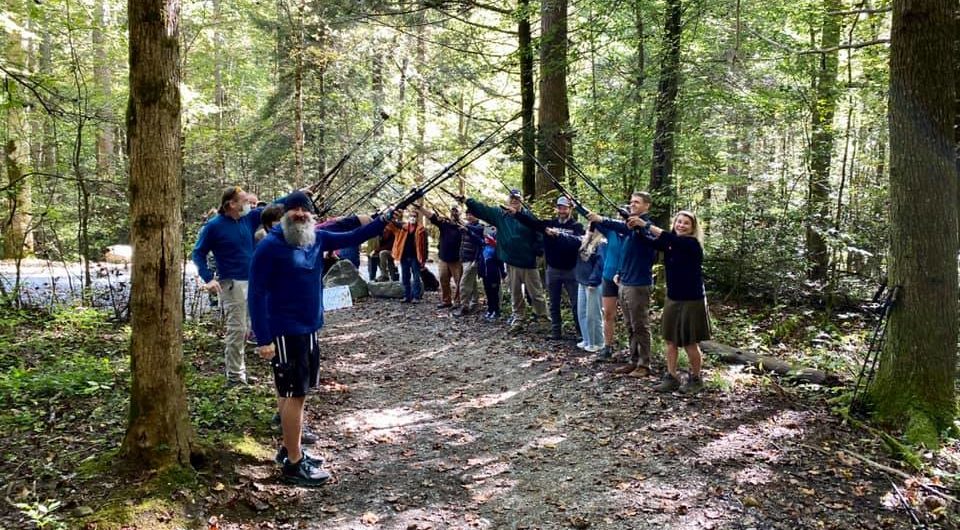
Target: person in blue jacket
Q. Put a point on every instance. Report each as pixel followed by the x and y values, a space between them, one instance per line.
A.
pixel 610 291
pixel 230 237
pixel 635 277
pixel 286 310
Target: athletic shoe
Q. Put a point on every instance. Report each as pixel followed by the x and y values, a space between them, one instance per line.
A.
pixel 582 344
pixel 282 455
pixel 603 355
pixel 669 383
pixel 639 372
pixel 304 473
pixel 593 348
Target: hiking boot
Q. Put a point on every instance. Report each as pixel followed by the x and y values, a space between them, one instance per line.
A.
pixel 603 355
pixel 669 383
pixel 303 473
pixel 692 385
pixel 625 369
pixel 639 372
pixel 282 455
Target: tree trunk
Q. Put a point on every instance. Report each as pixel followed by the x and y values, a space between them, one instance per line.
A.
pixel 17 220
pixel 956 99
pixel 661 175
pixel 554 114
pixel 219 96
pixel 159 433
pixel 298 99
pixel 821 143
pixel 914 387
pixel 527 99
pixel 421 87
pixel 630 181
pixel 103 74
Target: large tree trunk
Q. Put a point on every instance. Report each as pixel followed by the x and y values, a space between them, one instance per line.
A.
pixel 661 175
pixel 956 98
pixel 821 142
pixel 527 99
pixel 554 114
pixel 914 387
pixel 17 219
pixel 159 433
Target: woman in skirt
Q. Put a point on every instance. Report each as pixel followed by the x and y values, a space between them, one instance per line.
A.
pixel 685 321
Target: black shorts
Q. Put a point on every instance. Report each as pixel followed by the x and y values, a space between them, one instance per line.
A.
pixel 609 289
pixel 296 366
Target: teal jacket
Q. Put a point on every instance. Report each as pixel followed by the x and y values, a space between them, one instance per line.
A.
pixel 517 244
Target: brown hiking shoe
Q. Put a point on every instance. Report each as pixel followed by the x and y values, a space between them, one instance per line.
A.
pixel 625 369
pixel 692 385
pixel 639 372
pixel 669 383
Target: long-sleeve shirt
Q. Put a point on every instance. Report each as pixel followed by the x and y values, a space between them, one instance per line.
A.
pixel 636 264
pixel 231 241
pixel 472 242
pixel 556 255
pixel 683 260
pixel 448 247
pixel 516 243
pixel 588 271
pixel 612 255
pixel 285 296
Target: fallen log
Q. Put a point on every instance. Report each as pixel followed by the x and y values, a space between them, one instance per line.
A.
pixel 768 363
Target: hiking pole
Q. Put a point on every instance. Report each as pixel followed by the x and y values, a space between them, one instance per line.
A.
pixel 877 341
pixel 332 172
pixel 376 189
pixel 446 172
pixel 346 187
pixel 583 176
pixel 560 187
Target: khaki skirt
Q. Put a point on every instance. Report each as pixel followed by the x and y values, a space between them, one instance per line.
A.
pixel 685 322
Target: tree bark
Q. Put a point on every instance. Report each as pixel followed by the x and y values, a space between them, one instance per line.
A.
pixel 554 113
pixel 527 99
pixel 159 433
pixel 822 110
pixel 421 87
pixel 661 176
pixel 104 80
pixel 631 179
pixel 298 143
pixel 914 387
pixel 17 220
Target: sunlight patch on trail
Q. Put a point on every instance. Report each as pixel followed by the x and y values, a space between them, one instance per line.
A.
pixel 756 439
pixel 376 423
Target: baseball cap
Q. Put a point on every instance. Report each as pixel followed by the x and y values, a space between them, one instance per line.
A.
pixel 563 201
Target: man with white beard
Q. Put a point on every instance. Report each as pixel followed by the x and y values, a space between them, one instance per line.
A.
pixel 286 309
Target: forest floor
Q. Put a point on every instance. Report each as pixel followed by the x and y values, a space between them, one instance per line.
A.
pixel 428 421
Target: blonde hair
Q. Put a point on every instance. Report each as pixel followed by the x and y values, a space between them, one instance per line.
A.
pixel 590 242
pixel 697 230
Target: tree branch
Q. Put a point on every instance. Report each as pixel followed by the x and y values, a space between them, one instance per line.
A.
pixel 851 46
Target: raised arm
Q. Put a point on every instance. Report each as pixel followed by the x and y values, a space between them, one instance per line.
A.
pixel 491 214
pixel 530 221
pixel 337 240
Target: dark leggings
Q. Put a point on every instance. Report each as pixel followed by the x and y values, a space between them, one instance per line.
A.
pixel 491 287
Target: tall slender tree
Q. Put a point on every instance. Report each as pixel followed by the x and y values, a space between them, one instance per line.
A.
pixel 159 432
pixel 527 97
pixel 822 109
pixel 668 87
pixel 17 220
pixel 914 387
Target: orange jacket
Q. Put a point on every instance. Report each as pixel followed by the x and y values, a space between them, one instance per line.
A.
pixel 400 237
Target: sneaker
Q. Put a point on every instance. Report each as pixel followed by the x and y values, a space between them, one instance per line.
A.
pixel 692 385
pixel 593 348
pixel 406 301
pixel 282 455
pixel 669 383
pixel 515 320
pixel 625 369
pixel 251 338
pixel 308 437
pixel 603 355
pixel 582 344
pixel 639 372
pixel 236 382
pixel 304 473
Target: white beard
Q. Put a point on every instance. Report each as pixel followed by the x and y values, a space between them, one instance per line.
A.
pixel 298 234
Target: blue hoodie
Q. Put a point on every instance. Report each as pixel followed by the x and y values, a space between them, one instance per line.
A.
pixel 285 296
pixel 636 265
